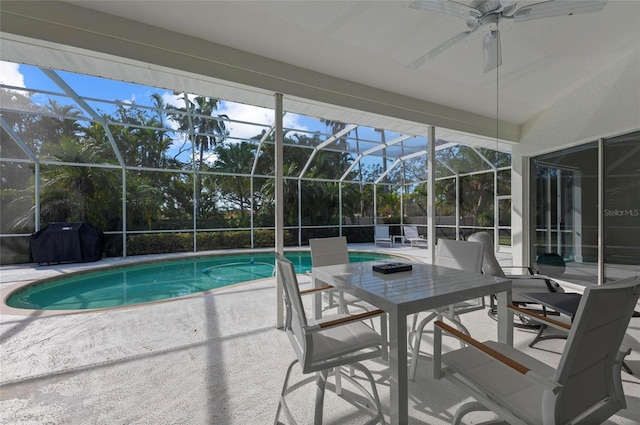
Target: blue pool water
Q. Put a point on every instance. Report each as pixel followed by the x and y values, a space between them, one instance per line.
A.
pixel 156 281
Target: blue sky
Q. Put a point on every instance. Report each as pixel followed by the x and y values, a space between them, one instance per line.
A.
pixel 89 86
pixel 101 88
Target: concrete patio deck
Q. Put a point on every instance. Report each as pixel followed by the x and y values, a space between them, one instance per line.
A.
pixel 215 358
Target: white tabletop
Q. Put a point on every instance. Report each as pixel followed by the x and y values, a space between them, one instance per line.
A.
pixel 425 287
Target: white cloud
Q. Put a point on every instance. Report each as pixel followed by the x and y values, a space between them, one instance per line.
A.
pixel 247 113
pixel 263 117
pixel 10 74
pixel 255 114
pixel 172 99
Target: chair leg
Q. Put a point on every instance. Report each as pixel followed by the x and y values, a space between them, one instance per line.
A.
pixel 415 350
pixel 372 396
pixel 472 406
pixel 455 319
pixel 282 402
pixel 321 383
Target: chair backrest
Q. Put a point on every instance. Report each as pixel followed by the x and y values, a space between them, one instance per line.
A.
pixel 586 369
pixel 411 232
pixel 490 265
pixel 461 255
pixel 329 251
pixel 296 319
pixel 382 232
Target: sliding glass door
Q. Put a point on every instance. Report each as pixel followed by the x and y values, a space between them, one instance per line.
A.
pixel 621 213
pixel 565 207
pixel 573 236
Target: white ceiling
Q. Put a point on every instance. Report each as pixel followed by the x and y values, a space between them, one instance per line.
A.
pixel 369 43
pixel 372 42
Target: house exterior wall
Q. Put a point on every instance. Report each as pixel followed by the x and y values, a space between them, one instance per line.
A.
pixel 605 106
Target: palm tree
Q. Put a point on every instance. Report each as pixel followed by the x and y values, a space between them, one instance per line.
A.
pixel 205 130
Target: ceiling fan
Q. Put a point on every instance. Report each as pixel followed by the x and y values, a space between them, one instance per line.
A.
pixel 487 13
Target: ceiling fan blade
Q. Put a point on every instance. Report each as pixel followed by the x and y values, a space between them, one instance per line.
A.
pixel 507 6
pixel 552 8
pixel 446 6
pixel 492 50
pixel 441 48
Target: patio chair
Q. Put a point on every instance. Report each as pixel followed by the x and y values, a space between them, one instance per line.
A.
pixel 328 252
pixel 456 255
pixel 331 251
pixel 521 283
pixel 323 347
pixel 567 304
pixel 411 234
pixel 585 388
pixel 381 235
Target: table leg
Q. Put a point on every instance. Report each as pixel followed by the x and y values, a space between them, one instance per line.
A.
pixel 398 371
pixel 316 306
pixel 505 318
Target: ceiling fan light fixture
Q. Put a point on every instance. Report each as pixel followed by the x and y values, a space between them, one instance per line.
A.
pixel 491 50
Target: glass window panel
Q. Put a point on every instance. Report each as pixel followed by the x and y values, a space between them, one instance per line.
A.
pixel 622 206
pixel 160 200
pixel 504 182
pixel 81 193
pixel 504 212
pixel 17 192
pixel 10 149
pixel 159 243
pixel 565 191
pixel 476 200
pixel 505 237
pixel 415 203
pixel 328 165
pixel 235 198
pixel 263 202
pixel 290 208
pixel 388 204
pixel 14 249
pixel 320 203
pixel 445 202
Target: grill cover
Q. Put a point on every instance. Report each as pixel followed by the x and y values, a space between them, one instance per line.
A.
pixel 67 243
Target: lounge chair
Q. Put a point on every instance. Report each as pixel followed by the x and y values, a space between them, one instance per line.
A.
pixel 411 234
pixel 382 235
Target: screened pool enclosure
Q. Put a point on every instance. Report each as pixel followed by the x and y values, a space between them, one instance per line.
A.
pixel 162 171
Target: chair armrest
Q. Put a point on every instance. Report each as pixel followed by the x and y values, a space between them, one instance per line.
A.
pixel 349 319
pixel 318 289
pixel 483 348
pixel 551 285
pixel 529 269
pixel 496 355
pixel 540 318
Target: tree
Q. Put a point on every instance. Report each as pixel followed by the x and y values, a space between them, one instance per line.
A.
pixel 235 189
pixel 204 130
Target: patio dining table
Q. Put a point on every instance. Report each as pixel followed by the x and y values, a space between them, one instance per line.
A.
pixel 400 294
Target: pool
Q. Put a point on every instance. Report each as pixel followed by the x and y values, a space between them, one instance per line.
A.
pixel 148 282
